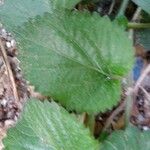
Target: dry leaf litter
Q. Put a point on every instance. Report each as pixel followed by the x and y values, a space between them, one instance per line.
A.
pixel 13 88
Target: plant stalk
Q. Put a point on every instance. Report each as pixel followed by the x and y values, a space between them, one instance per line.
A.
pixel 134 18
pixel 129 100
pixel 133 25
pixel 111 7
pixel 128 108
pixel 90 122
pixel 122 8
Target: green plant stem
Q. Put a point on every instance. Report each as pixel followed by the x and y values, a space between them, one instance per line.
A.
pixel 82 117
pixel 122 8
pixel 129 104
pixel 90 122
pixel 139 25
pixel 129 101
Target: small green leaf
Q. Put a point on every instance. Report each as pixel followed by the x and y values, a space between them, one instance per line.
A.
pixel 122 21
pixel 144 4
pixel 130 139
pixel 47 126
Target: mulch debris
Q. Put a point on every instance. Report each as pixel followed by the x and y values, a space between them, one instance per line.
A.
pixel 10 108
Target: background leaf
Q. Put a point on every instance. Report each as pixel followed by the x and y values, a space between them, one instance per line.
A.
pixel 143 36
pixel 47 126
pixel 15 12
pixel 144 4
pixel 130 139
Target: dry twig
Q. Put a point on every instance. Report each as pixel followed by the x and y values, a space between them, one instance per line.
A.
pixel 141 78
pixel 9 71
pixel 129 93
pixel 112 116
pixel 146 93
pixel 36 95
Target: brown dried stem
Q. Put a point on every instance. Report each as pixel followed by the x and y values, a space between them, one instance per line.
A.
pixel 146 93
pixel 130 92
pixel 9 71
pixel 141 78
pixel 114 113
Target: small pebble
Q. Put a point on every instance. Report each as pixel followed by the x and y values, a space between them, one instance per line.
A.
pixel 1 62
pixel 18 76
pixel 100 118
pixel 141 102
pixel 4 102
pixel 9 123
pixel 8 44
pixel 3 31
pixel 1 90
pixel 18 69
pixel 15 118
pixel 145 128
pixel 16 61
pixel 140 118
pixel 13 43
pixel 124 81
pixel 1 2
pixel 9 38
pixel 9 34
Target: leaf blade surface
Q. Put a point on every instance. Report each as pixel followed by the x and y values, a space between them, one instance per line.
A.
pixel 47 126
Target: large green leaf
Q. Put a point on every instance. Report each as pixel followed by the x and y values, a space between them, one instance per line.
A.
pixel 130 139
pixel 77 59
pixel 47 126
pixel 16 12
pixel 144 4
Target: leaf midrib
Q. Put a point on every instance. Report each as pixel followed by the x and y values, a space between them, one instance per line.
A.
pixel 61 54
